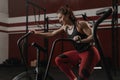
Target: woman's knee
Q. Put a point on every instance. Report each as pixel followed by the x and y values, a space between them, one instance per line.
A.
pixel 59 59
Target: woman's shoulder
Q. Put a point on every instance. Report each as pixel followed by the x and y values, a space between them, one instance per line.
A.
pixel 82 22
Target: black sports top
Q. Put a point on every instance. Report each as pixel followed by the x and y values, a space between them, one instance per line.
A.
pixel 78 46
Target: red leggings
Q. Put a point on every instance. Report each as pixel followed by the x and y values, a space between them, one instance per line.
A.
pixel 87 60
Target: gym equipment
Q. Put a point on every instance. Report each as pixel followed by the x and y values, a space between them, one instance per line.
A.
pixel 115 36
pixel 39 8
pixel 105 13
pixel 33 74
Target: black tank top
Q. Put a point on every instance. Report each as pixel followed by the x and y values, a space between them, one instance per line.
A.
pixel 80 47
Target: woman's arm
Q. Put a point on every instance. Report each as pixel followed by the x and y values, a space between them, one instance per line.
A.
pixel 86 29
pixel 49 34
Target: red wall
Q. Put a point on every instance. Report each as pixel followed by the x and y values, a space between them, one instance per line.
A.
pixel 106 41
pixel 18 7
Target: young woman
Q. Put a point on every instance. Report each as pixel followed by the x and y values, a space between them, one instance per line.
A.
pixel 85 54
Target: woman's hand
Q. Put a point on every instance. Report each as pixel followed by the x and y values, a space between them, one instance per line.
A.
pixel 33 31
pixel 77 39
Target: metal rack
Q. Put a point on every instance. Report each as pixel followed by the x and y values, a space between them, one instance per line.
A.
pixel 30 2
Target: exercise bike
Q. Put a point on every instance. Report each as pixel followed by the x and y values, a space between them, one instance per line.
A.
pixel 36 73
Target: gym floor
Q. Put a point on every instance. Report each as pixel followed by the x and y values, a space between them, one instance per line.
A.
pixel 7 73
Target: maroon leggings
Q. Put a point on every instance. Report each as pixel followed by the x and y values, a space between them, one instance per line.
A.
pixel 86 60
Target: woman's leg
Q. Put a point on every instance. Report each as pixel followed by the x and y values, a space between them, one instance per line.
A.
pixel 89 59
pixel 65 62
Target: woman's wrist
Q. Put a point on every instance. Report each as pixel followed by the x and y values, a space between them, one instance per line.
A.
pixel 79 39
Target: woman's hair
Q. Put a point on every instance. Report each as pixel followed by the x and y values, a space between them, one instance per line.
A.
pixel 65 10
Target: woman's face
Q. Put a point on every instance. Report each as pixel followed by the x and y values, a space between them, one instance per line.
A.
pixel 63 19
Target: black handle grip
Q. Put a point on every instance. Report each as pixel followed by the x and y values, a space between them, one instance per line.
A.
pixel 38 47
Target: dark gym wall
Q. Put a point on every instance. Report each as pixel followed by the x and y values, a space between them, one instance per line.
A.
pixel 17 7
